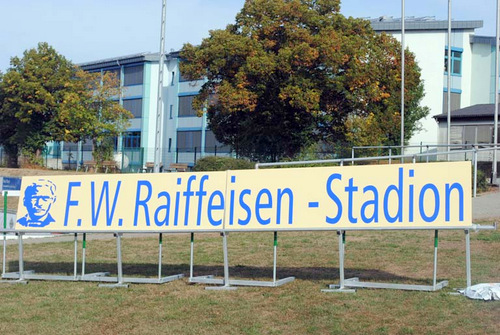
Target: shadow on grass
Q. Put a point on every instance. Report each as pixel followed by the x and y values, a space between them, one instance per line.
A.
pixel 145 270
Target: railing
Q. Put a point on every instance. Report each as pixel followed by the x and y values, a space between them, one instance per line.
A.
pixel 413 157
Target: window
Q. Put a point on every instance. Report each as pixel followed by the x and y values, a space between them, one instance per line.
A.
pixel 456 62
pixel 187 141
pixel 134 106
pixel 132 75
pixel 173 78
pixel 132 139
pixel 455 101
pixel 213 146
pixel 171 111
pixel 186 106
pixel 473 134
pixel 169 144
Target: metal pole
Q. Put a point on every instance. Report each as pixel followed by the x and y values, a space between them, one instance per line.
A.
pixel 474 157
pixel 467 258
pixel 21 258
pixel 84 246
pixel 226 260
pixel 434 277
pixel 192 257
pixel 119 256
pixel 4 258
pixel 75 269
pixel 403 47
pixel 159 106
pixel 495 130
pixel 160 243
pixel 448 93
pixel 275 255
pixel 341 259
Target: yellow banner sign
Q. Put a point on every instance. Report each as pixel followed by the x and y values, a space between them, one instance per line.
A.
pixel 431 195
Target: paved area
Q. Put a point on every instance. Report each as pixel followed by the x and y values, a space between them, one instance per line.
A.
pixel 486 206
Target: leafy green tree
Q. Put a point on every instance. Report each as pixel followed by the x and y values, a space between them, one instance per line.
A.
pixel 32 91
pixel 91 111
pixel 44 97
pixel 289 73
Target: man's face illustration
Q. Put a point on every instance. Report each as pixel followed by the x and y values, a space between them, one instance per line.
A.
pixel 38 201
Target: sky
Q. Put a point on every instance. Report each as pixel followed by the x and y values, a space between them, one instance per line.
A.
pixel 89 30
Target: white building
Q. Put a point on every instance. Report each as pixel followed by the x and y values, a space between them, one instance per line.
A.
pixel 472 66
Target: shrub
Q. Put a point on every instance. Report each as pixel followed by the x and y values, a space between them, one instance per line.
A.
pixel 214 163
pixel 482 181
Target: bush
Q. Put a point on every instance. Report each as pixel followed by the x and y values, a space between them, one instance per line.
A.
pixel 482 181
pixel 213 163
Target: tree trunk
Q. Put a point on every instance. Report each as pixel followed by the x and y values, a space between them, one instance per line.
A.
pixel 12 152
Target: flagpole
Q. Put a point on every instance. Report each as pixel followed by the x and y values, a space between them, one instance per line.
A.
pixel 402 78
pixel 448 91
pixel 159 107
pixel 495 129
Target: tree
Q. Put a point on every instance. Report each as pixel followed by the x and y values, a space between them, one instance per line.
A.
pixel 289 73
pixel 91 111
pixel 44 97
pixel 32 90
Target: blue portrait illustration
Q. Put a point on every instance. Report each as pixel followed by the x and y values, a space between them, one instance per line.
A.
pixel 38 199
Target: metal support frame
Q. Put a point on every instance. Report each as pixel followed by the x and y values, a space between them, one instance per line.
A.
pixel 467 258
pixel 341 288
pixel 226 282
pixel 119 281
pixel 4 234
pixel 21 274
pixel 356 283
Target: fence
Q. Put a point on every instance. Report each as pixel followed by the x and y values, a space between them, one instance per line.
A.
pixel 129 160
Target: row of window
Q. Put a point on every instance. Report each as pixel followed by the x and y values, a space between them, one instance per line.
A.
pixel 187 141
pixel 132 75
pixel 472 134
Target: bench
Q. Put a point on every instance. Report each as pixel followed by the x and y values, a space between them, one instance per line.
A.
pixel 106 165
pixel 178 167
pixel 90 165
pixel 150 167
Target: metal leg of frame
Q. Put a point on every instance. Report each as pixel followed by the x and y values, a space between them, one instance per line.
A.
pixel 191 259
pixel 120 282
pixel 341 287
pixel 434 276
pixel 75 268
pixel 160 258
pixel 89 276
pixel 84 249
pixel 4 234
pixel 160 244
pixel 467 258
pixel 355 282
pixel 4 257
pixel 20 275
pixel 226 283
pixel 200 279
pixel 275 255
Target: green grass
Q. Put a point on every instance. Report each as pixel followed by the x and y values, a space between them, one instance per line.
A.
pixel 295 308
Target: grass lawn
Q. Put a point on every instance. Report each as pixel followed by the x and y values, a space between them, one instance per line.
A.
pixel 295 308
